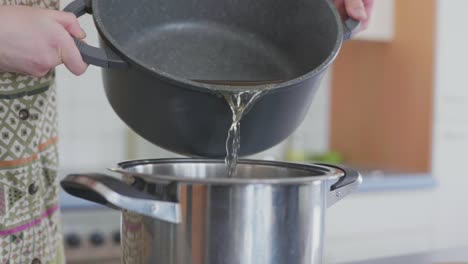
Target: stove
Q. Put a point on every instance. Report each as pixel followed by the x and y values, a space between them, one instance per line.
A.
pixel 91 232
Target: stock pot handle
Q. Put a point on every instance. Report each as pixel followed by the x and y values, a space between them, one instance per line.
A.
pixel 104 58
pixel 350 176
pixel 111 192
pixel 348 183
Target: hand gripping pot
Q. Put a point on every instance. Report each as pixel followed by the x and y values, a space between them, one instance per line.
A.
pixel 165 64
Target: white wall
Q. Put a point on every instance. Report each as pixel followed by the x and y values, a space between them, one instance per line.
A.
pixel 91 135
pixel 451 123
pixel 382 224
pixel 382 26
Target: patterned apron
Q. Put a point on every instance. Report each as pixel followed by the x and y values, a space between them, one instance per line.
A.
pixel 29 212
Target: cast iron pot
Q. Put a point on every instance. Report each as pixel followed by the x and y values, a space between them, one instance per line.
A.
pixel 167 62
pixel 186 211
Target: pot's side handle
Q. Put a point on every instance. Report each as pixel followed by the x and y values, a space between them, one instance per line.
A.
pixel 350 27
pixel 109 191
pixel 105 58
pixel 348 183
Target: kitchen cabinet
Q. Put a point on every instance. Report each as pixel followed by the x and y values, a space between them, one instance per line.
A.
pixel 381 27
pixel 423 220
pixel 382 95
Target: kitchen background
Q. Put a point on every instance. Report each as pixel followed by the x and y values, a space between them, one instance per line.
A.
pixel 394 105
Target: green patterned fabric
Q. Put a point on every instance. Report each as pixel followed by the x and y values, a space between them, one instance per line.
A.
pixel 29 215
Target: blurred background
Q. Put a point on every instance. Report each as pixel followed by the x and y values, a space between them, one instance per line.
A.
pixel 395 106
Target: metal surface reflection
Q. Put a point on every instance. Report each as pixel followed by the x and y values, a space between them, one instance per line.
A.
pixel 248 224
pixel 269 212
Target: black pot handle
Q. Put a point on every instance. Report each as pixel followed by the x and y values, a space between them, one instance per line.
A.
pixel 348 183
pixel 104 58
pixel 350 177
pixel 350 28
pixel 116 194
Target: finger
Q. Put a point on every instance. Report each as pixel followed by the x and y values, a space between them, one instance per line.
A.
pixel 341 8
pixel 364 25
pixel 356 9
pixel 70 23
pixel 368 5
pixel 70 55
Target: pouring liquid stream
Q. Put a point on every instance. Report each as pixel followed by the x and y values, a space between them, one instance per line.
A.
pixel 240 103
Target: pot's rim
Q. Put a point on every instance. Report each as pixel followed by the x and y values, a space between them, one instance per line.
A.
pixel 329 173
pixel 214 88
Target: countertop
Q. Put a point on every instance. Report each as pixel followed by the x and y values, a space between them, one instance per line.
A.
pixel 449 256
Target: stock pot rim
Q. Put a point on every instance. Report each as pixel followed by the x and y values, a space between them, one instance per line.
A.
pixel 329 173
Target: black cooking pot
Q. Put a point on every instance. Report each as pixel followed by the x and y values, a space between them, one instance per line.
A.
pixel 166 62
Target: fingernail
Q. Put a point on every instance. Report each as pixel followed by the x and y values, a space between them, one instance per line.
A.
pixel 83 32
